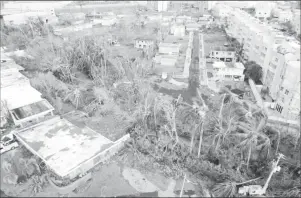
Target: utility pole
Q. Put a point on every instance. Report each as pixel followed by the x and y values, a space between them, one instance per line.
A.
pixel 182 189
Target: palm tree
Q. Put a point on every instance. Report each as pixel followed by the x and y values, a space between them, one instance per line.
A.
pixel 29 166
pixel 10 177
pixel 228 188
pixel 253 71
pixel 38 183
pixel 264 91
pixel 75 96
pixel 169 110
pixel 243 116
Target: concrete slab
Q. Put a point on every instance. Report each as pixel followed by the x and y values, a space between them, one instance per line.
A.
pixel 19 95
pixel 62 145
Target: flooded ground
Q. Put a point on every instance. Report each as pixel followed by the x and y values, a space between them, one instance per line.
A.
pixel 108 180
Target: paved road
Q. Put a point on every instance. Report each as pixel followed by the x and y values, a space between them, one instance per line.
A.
pixel 202 66
pixel 194 71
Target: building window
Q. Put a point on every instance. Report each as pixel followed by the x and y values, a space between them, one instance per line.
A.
pixel 228 76
pixel 216 53
pixel 286 92
pixel 229 53
pixel 279 108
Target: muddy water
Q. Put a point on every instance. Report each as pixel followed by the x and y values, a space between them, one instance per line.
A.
pixel 112 180
pixel 156 184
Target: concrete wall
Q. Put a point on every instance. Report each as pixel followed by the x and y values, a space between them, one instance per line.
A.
pixel 101 157
pixel 69 188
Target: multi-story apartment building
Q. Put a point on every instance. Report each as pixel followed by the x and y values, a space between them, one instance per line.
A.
pixel 277 54
pixel 159 6
pixel 256 37
pixel 281 54
pixel 263 10
pixel 221 10
pixel 288 100
pixel 296 20
pixel 203 6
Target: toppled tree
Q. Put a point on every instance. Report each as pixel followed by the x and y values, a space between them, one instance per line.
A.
pixel 253 71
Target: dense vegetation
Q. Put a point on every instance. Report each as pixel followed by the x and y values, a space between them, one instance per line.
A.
pixel 222 142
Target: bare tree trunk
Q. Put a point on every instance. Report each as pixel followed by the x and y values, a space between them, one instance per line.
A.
pixel 192 138
pixel 221 109
pixel 182 189
pixel 174 127
pixel 201 139
pixel 249 156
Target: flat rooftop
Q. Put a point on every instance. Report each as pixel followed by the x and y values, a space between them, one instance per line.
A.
pixel 62 145
pixel 173 45
pixel 9 64
pixel 227 49
pixel 11 77
pixel 220 64
pixel 20 95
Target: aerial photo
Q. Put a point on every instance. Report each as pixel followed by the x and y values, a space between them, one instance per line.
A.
pixel 150 99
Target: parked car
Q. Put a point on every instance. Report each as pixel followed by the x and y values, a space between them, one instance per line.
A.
pixel 8 143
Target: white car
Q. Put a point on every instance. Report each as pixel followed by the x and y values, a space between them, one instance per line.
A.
pixel 7 143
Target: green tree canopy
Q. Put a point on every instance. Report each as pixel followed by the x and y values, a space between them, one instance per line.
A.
pixel 253 71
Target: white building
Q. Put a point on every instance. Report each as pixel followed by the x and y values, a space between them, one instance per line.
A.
pixel 163 6
pixel 263 10
pixel 261 44
pixel 288 51
pixel 221 10
pixel 178 30
pixel 288 101
pixel 225 54
pixel 296 20
pixel 142 43
pixel 169 48
pixel 166 60
pixel 105 21
pixel 257 38
pixel 285 16
pixel 228 71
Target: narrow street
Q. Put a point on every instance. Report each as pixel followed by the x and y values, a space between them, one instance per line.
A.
pixel 202 61
pixel 194 71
